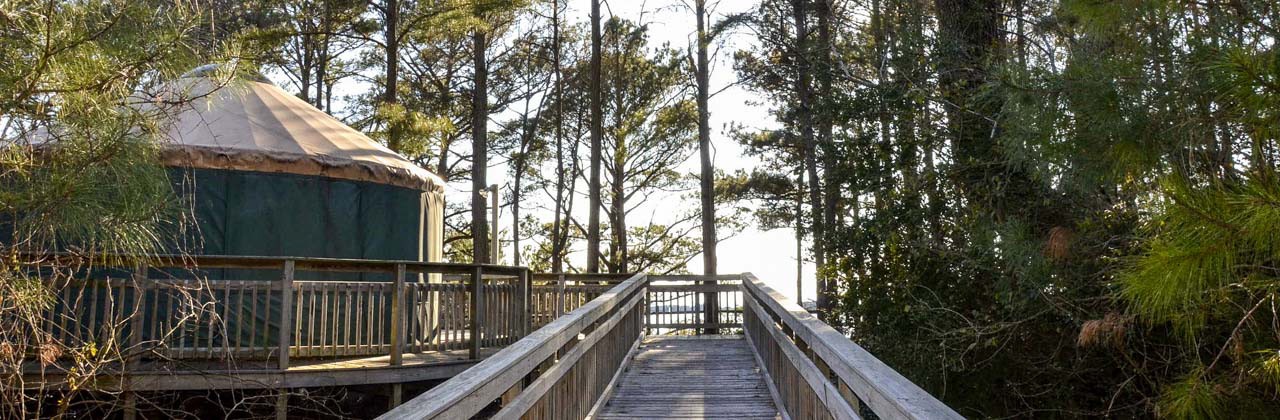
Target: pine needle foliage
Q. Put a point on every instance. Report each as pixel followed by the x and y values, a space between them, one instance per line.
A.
pixel 80 168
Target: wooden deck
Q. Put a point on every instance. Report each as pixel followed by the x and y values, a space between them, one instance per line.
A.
pixel 691 377
pixel 259 374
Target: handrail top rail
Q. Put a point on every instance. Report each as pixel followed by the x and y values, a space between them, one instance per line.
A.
pixel 276 262
pixel 595 277
pixel 494 375
pixel 695 277
pixel 886 391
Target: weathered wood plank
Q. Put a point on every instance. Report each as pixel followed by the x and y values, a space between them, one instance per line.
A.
pixel 884 390
pixel 466 395
pixel 674 377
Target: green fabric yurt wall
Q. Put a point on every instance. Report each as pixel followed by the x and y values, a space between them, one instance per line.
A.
pixel 289 215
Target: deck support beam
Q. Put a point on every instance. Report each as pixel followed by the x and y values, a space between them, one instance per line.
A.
pixel 282 404
pixel 130 405
pixel 397 395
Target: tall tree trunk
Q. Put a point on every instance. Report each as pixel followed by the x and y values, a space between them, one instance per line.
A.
pixel 597 114
pixel 703 77
pixel 805 121
pixel 479 151
pixel 515 207
pixel 304 70
pixel 619 211
pixel 392 54
pixel 825 124
pixel 528 128
pixel 322 57
pixel 800 235
pixel 970 34
pixel 557 231
pixel 704 145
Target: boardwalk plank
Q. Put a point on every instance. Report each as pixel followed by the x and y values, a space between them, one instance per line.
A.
pixel 707 377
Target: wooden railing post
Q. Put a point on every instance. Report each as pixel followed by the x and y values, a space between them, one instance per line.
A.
pixel 139 309
pixel 286 313
pixel 397 331
pixel 397 317
pixel 526 294
pixel 477 312
pixel 711 307
pixel 134 356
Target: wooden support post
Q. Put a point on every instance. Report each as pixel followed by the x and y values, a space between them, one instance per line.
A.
pixel 397 317
pixel 130 405
pixel 133 353
pixel 477 312
pixel 286 320
pixel 397 395
pixel 282 404
pixel 710 308
pixel 526 294
pixel 140 285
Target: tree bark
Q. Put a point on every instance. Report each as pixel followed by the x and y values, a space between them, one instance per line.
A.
pixel 593 221
pixel 703 76
pixel 619 212
pixel 799 214
pixel 704 145
pixel 970 30
pixel 825 124
pixel 804 117
pixel 557 231
pixel 479 151
pixel 392 53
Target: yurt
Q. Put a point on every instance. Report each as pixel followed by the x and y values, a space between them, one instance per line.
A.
pixel 265 173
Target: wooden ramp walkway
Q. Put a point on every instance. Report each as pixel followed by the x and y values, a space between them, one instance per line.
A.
pixel 598 362
pixel 691 377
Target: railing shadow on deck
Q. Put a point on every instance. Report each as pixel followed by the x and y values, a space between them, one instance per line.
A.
pixel 566 369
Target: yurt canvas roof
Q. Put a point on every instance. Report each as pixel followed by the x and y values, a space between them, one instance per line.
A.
pixel 256 126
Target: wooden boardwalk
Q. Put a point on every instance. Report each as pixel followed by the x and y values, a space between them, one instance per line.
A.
pixel 691 377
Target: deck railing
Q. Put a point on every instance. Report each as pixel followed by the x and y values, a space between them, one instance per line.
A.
pixel 565 369
pixel 817 372
pixel 559 371
pixel 691 304
pixel 171 310
pixel 557 294
pixel 590 324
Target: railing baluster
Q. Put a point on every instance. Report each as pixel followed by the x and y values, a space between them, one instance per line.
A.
pixel 239 321
pixel 139 314
pixel 346 319
pixel 253 318
pixel 477 310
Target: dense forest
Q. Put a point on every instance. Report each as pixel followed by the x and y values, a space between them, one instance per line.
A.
pixel 1031 208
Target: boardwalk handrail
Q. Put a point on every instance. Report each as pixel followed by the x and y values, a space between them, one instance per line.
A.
pixel 808 360
pixel 541 372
